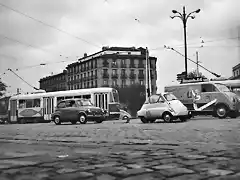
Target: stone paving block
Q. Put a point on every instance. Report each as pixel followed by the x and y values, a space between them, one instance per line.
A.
pixel 130 172
pixel 165 167
pixel 133 166
pixel 105 177
pixel 18 163
pixel 187 177
pixel 192 162
pixel 220 172
pixel 66 170
pixel 143 177
pixel 176 171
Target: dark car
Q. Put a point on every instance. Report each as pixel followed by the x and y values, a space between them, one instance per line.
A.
pixel 74 110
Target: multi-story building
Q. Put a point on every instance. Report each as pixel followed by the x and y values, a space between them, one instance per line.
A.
pixel 55 82
pixel 113 66
pixel 236 72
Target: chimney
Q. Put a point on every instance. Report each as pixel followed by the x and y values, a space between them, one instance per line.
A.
pixel 85 54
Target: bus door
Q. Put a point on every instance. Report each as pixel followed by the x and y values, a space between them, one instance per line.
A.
pixel 48 107
pixel 101 100
pixel 13 111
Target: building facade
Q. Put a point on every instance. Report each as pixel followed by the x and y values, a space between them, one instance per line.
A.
pixel 236 72
pixel 55 82
pixel 116 67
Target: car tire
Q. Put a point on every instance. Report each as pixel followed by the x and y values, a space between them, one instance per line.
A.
pixel 144 120
pixel 82 119
pixel 57 120
pixel 74 122
pixel 167 117
pixel 221 111
pixel 99 121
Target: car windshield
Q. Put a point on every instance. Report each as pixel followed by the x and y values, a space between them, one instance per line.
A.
pixel 84 103
pixel 170 97
pixel 222 87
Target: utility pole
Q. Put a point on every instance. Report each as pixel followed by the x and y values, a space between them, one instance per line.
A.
pixel 149 76
pixel 238 29
pixel 197 63
pixel 146 74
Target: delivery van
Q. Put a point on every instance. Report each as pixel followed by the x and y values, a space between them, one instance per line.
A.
pixel 207 98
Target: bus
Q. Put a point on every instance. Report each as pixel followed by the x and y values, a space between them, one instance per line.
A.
pixel 38 107
pixel 233 85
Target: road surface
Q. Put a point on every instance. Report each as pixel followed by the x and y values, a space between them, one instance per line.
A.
pixel 203 148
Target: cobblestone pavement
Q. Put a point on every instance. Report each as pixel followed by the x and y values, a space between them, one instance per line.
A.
pixel 199 149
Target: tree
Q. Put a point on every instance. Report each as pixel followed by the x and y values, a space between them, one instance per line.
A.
pixel 3 87
pixel 132 97
pixel 194 74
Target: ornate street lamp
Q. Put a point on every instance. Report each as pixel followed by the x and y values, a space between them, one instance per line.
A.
pixel 184 17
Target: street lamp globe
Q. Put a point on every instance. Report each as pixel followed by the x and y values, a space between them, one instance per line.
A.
pixel 198 11
pixel 174 11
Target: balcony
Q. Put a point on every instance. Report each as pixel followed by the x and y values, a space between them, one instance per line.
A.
pixel 114 65
pixel 140 65
pixel 152 76
pixel 123 76
pixel 132 76
pixel 114 76
pixel 140 76
pixel 105 64
pixel 123 65
pixel 105 75
pixel 132 65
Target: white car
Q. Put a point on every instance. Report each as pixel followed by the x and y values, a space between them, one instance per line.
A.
pixel 163 106
pixel 124 115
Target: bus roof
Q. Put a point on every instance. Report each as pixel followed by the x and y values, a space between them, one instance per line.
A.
pixel 63 93
pixel 192 83
pixel 232 83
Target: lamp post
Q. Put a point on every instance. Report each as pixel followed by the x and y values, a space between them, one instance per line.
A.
pixel 184 17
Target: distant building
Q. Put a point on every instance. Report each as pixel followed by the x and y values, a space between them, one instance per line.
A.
pixel 113 66
pixel 236 72
pixel 55 82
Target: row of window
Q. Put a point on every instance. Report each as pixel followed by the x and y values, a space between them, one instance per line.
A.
pixel 29 103
pixel 84 66
pixel 84 75
pixel 123 71
pixel 89 84
pixel 53 80
pixel 123 82
pixel 116 62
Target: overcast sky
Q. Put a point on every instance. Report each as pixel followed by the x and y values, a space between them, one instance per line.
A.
pixel 112 23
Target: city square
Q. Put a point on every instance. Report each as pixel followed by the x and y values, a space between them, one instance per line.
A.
pixel 202 148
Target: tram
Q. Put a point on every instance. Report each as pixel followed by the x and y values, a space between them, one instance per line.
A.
pixel 38 107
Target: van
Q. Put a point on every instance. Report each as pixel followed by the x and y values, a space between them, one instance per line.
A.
pixel 207 98
pixel 163 106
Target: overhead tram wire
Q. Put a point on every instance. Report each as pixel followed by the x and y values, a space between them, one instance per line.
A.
pixel 179 46
pixel 48 25
pixel 30 45
pixel 215 74
pixel 22 79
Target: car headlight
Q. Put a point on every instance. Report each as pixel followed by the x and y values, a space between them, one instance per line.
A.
pixel 88 110
pixel 171 109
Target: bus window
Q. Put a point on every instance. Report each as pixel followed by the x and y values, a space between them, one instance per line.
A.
pixel 69 97
pixel 78 97
pixel 208 88
pixel 22 104
pixel 36 103
pixel 59 99
pixel 115 95
pixel 29 103
pixel 88 96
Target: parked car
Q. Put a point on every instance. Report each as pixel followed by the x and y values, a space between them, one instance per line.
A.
pixel 124 115
pixel 74 110
pixel 163 106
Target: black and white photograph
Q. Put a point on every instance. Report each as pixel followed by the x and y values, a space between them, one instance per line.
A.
pixel 119 90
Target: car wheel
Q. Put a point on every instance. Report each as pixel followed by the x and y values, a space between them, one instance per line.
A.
pixel 167 117
pixel 82 119
pixel 99 121
pixel 74 122
pixel 221 111
pixel 144 120
pixel 57 120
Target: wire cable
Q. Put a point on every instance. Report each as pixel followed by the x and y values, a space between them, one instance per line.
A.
pixel 217 75
pixel 22 79
pixel 48 25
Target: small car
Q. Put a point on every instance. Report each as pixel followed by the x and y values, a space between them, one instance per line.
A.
pixel 74 110
pixel 124 115
pixel 163 106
